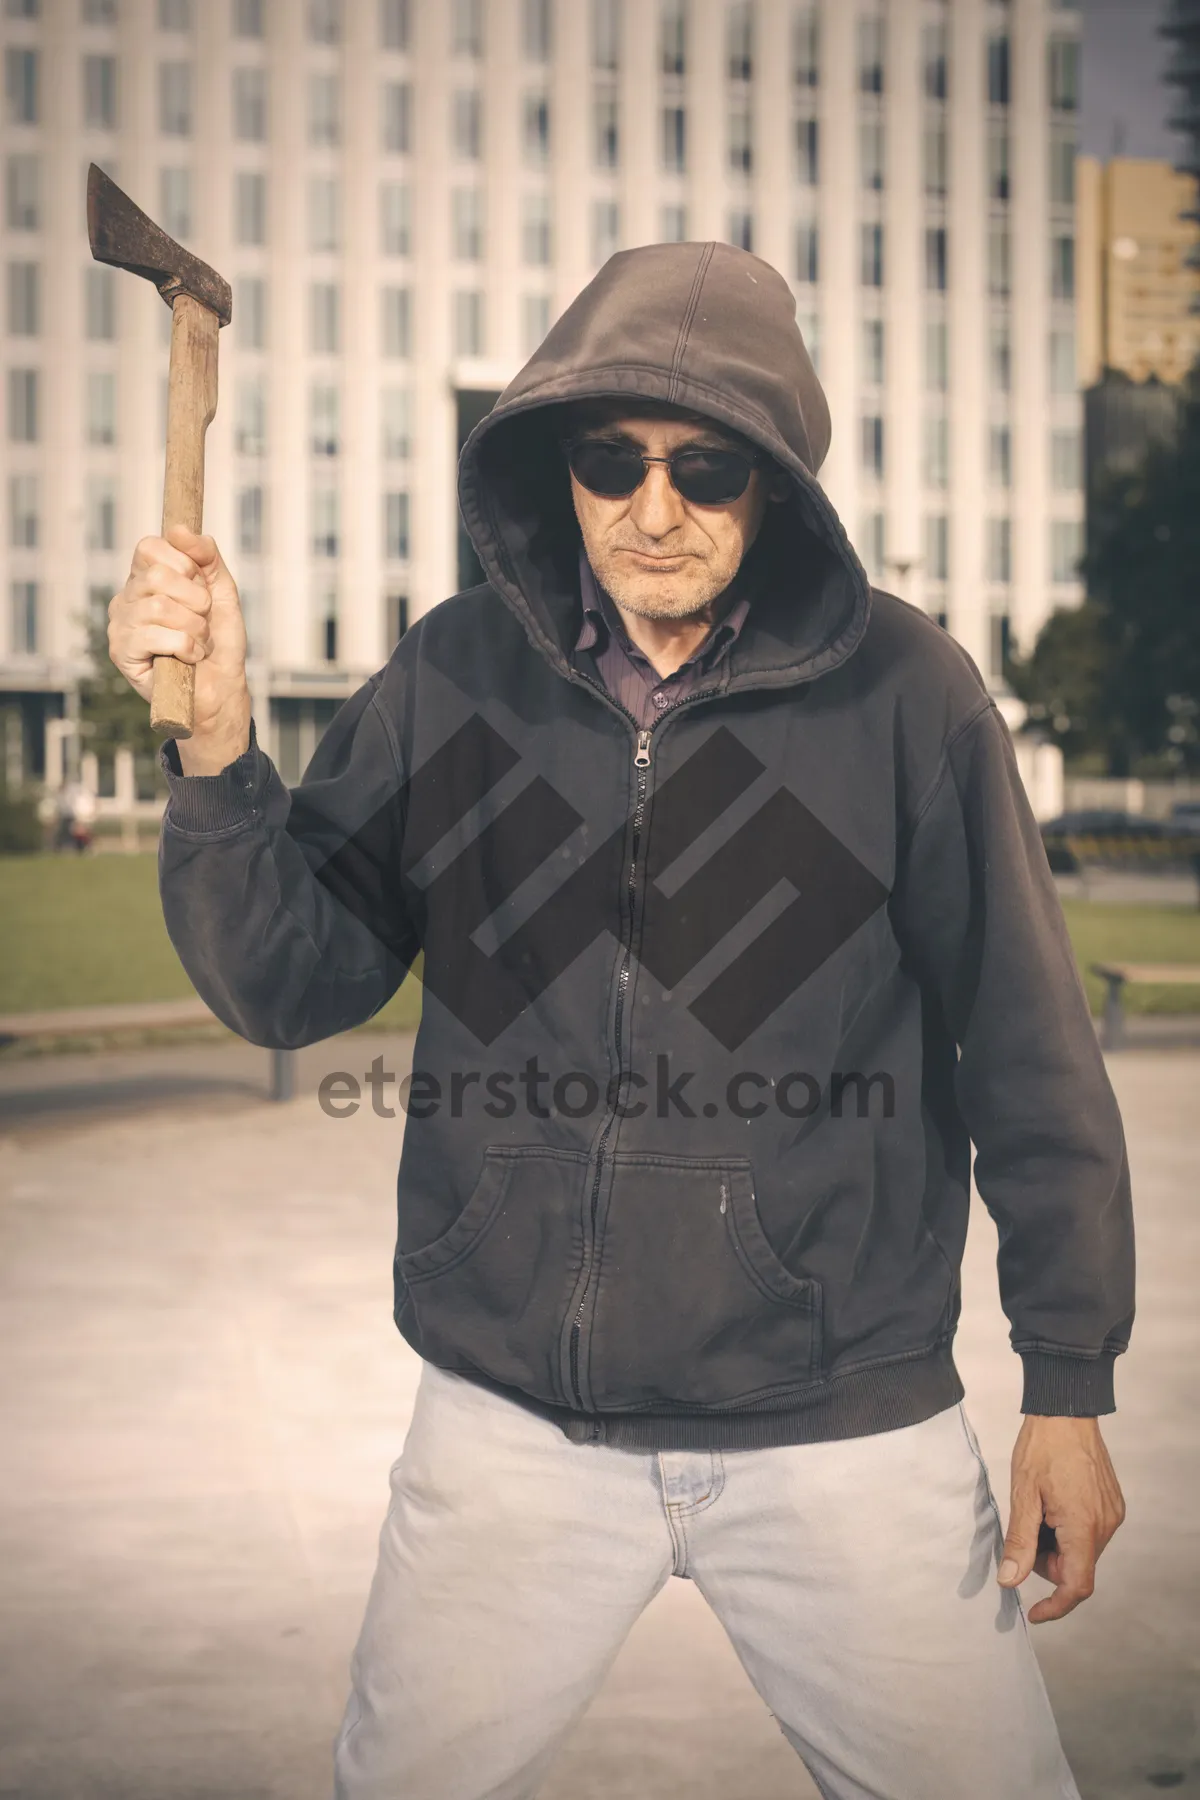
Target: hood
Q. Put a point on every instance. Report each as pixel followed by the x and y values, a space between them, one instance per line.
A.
pixel 703 326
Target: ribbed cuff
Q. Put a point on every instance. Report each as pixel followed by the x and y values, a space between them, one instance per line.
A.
pixel 1068 1387
pixel 211 803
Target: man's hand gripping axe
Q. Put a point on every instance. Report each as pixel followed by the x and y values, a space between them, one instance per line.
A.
pixel 200 302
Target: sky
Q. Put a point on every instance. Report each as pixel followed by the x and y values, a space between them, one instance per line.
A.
pixel 1123 90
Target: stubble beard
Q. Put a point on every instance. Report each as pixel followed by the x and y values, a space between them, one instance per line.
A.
pixel 680 596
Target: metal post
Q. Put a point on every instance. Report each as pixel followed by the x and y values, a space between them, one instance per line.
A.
pixel 283 1074
pixel 1114 1012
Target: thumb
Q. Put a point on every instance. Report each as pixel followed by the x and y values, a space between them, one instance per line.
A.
pixel 1021 1540
pixel 202 550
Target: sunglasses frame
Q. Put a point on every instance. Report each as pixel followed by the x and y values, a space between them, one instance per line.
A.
pixel 750 459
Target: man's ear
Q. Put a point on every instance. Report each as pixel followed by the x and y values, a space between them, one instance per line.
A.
pixel 780 486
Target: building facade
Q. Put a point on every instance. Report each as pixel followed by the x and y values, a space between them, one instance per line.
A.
pixel 1137 285
pixel 404 195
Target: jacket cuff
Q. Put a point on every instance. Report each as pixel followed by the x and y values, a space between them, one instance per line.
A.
pixel 1071 1387
pixel 211 803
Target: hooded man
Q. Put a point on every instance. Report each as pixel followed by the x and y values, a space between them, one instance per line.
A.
pixel 736 931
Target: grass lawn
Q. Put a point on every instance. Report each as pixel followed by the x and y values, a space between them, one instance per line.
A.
pixel 87 930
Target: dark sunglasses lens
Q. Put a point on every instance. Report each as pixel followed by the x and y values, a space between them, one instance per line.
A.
pixel 609 469
pixel 710 477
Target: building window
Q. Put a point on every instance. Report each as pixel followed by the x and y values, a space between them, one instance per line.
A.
pixel 467 28
pixel 1000 356
pixel 1063 376
pixel 740 41
pixel 674 139
pixel 937 356
pixel 672 225
pixel 324 21
pixel 326 521
pixel 23 512
pixel 24 599
pixel 808 239
pixel 250 207
pixel 935 61
pixel 396 305
pixel 324 213
pixel 808 159
pixel 250 105
pixel 395 413
pixel 806 47
pixel 396 120
pixel 935 160
pixel 535 321
pixel 174 15
pixel 100 93
pixel 536 133
pixel 606 230
pixel 101 513
pixel 395 232
pixel 101 407
pixel 999 258
pixel 873 541
pixel 1062 266
pixel 329 627
pixel 250 521
pixel 325 318
pixel 175 201
pixel 24 297
pixel 1000 456
pixel 250 417
pixel 1063 150
pixel 536 31
pixel 21 86
pixel 873 369
pixel 808 320
pixel 1063 73
pixel 248 18
pixel 395 527
pixel 466 224
pixel 1066 460
pixel 1066 548
pixel 467 124
pixel 324 110
pixel 396 610
pixel 606 130
pixel 872 445
pixel 871 44
pixel 741 138
pixel 998 71
pixel 937 450
pixel 999 645
pixel 606 34
pixel 741 228
pixel 175 99
pixel 535 229
pixel 250 312
pixel 871 240
pixel 468 322
pixel 999 550
pixel 998 162
pixel 21 196
pixel 673 38
pixel 393 24
pixel 324 416
pixel 23 408
pixel 98 12
pixel 870 152
pixel 937 547
pixel 935 259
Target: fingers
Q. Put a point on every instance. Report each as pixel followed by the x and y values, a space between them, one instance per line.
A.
pixel 1073 1572
pixel 161 551
pixel 200 550
pixel 1021 1539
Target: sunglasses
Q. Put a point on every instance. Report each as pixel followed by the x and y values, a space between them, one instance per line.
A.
pixel 613 469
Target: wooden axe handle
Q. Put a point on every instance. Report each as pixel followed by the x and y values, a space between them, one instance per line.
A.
pixel 191 403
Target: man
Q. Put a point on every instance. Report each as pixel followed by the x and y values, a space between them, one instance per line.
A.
pixel 736 929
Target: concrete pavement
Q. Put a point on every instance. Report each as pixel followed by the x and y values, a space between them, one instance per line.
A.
pixel 201 1392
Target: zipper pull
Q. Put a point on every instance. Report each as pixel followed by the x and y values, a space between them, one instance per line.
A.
pixel 641 758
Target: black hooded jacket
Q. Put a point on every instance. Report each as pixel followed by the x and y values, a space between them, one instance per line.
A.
pixel 712 1013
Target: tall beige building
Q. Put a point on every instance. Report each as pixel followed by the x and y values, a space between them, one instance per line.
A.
pixel 1135 286
pixel 405 194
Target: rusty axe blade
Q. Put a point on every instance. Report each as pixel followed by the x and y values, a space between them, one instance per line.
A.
pixel 200 302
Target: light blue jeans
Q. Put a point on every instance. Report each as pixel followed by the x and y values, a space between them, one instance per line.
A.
pixel 856 1581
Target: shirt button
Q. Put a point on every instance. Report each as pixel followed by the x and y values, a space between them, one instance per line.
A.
pixel 660 699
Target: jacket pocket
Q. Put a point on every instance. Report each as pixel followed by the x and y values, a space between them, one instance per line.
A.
pixel 490 1293
pixel 693 1308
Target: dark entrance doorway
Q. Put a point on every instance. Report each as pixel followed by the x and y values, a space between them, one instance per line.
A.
pixel 472 404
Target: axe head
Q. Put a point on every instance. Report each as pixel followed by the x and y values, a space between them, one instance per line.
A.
pixel 121 234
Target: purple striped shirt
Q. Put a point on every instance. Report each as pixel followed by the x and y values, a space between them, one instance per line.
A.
pixel 626 672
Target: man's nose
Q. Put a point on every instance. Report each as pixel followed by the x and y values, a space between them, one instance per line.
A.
pixel 657 507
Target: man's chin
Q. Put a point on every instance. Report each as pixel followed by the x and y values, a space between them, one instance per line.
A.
pixel 660 596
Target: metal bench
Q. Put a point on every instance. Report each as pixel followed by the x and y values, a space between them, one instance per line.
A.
pixel 146 1015
pixel 1155 974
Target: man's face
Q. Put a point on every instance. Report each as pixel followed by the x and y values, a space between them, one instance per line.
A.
pixel 657 554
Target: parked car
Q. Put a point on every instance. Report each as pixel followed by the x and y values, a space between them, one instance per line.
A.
pixel 1185 816
pixel 1098 836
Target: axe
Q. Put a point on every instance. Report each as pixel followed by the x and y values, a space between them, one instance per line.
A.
pixel 200 302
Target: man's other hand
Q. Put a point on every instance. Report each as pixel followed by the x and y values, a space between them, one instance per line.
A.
pixel 1061 1474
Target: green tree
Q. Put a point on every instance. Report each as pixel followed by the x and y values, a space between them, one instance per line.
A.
pixel 111 715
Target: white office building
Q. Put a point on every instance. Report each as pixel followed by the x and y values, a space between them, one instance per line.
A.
pixel 404 195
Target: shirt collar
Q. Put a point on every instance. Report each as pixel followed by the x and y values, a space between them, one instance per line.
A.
pixel 600 617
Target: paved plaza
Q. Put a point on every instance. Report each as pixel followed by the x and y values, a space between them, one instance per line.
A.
pixel 201 1393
